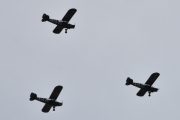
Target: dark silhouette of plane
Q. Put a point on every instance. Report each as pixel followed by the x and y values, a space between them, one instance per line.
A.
pixel 64 23
pixel 51 102
pixel 145 87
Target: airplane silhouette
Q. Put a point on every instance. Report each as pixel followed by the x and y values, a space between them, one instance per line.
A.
pixel 145 87
pixel 64 23
pixel 49 102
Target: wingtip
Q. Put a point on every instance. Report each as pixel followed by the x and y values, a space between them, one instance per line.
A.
pixel 59 86
pixel 139 95
pixel 73 9
pixel 44 112
pixel 156 73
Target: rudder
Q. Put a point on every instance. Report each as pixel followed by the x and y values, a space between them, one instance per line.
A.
pixel 33 96
pixel 129 81
pixel 45 17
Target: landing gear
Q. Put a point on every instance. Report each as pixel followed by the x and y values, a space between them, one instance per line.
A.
pixel 66 30
pixel 53 108
pixel 149 94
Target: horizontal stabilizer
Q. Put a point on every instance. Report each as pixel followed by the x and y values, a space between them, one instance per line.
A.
pixel 129 81
pixel 45 17
pixel 33 96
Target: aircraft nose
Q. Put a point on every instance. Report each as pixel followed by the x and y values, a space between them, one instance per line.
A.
pixel 60 104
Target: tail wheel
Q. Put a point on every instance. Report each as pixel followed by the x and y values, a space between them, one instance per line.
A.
pixel 53 108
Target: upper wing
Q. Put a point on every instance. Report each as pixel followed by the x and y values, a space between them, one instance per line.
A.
pixel 58 29
pixel 141 92
pixel 46 108
pixel 152 78
pixel 69 14
pixel 55 92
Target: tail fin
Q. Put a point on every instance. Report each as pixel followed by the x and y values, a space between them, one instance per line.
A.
pixel 45 17
pixel 33 96
pixel 129 81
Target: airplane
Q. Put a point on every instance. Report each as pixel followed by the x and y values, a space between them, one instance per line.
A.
pixel 64 23
pixel 49 102
pixel 145 87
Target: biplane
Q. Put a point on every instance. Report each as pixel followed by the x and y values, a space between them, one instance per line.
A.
pixel 64 23
pixel 147 87
pixel 49 102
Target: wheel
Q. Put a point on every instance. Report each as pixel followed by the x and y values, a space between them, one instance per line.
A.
pixel 149 94
pixel 66 30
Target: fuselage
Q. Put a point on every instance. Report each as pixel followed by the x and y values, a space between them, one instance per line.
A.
pixel 49 101
pixel 145 87
pixel 61 23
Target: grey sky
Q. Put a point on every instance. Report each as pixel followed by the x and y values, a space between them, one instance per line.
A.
pixel 113 40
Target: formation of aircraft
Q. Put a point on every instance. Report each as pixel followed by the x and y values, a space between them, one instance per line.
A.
pixel 49 102
pixel 145 87
pixel 64 23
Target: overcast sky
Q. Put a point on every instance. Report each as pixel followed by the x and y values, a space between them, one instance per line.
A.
pixel 112 40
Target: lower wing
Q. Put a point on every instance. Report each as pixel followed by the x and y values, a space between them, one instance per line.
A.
pixel 46 108
pixel 58 29
pixel 141 92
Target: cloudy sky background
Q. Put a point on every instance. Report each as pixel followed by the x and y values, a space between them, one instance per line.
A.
pixel 112 40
